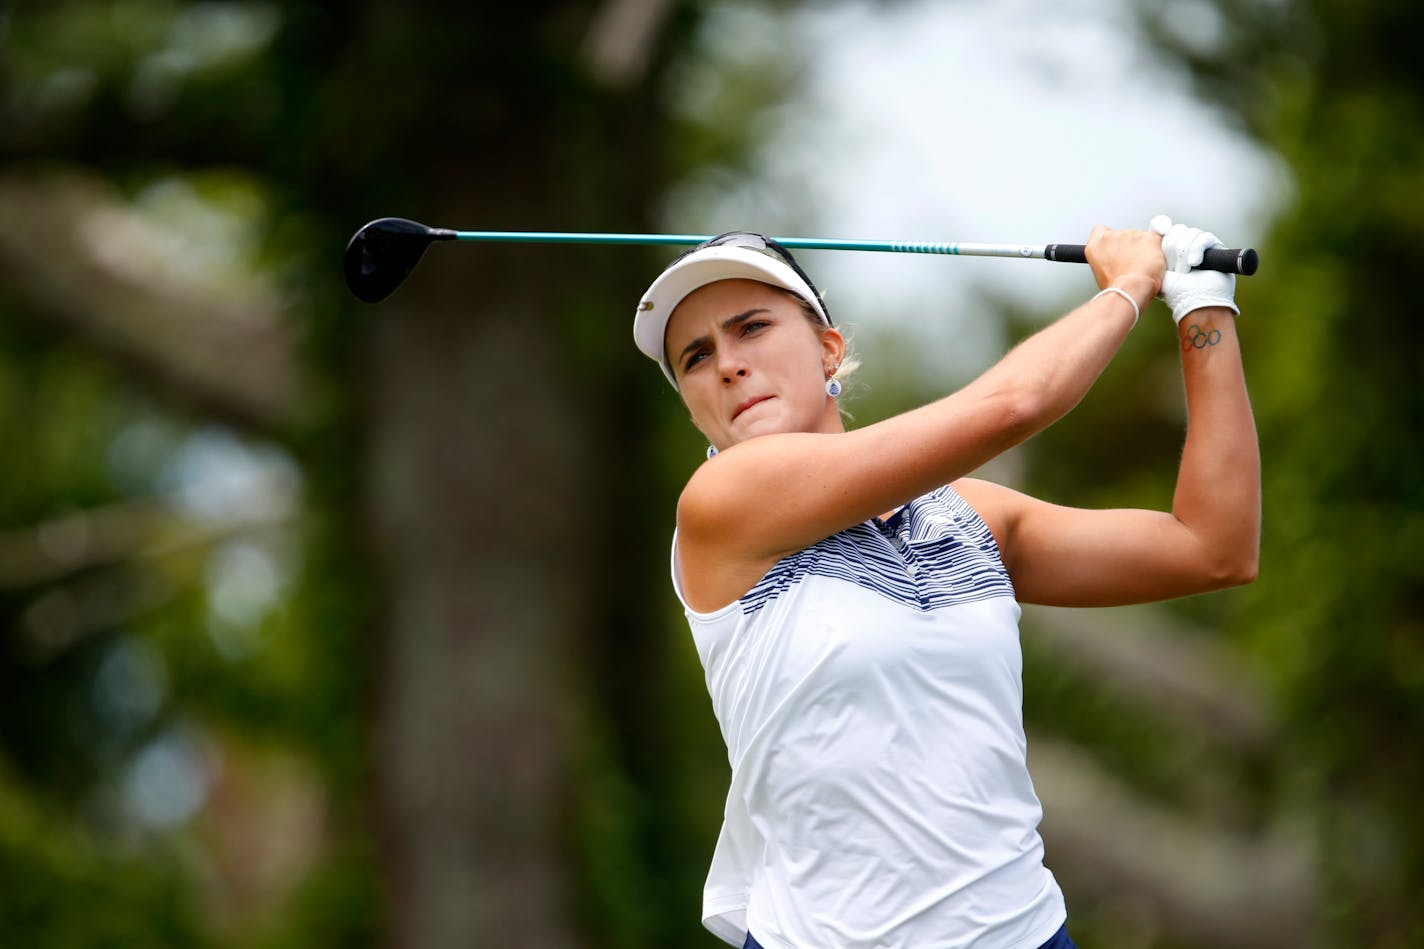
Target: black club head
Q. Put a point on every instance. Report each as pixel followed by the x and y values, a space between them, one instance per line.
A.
pixel 384 252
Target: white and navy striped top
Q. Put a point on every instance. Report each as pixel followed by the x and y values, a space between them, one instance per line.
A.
pixel 869 692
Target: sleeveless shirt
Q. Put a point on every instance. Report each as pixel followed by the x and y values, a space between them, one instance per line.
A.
pixel 869 692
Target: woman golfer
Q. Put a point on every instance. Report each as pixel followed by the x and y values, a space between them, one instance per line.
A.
pixel 854 597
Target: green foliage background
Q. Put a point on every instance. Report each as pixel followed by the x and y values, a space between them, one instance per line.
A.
pixel 256 136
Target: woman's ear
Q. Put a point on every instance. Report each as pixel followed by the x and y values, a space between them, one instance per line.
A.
pixel 833 348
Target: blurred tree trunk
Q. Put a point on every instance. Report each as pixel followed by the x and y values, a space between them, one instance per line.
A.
pixel 466 448
pixel 478 500
pixel 491 424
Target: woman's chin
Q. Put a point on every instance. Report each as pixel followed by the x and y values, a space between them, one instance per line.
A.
pixel 755 428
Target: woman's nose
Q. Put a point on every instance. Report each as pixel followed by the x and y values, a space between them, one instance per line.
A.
pixel 731 365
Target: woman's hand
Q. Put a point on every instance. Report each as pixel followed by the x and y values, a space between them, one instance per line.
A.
pixel 1131 260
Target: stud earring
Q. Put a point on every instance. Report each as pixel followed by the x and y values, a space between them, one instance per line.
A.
pixel 711 452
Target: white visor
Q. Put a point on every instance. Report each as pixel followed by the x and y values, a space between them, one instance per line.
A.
pixel 697 269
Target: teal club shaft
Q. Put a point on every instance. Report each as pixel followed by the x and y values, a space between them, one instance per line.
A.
pixel 794 243
pixel 1237 260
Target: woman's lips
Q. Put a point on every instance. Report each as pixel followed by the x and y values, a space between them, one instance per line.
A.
pixel 748 404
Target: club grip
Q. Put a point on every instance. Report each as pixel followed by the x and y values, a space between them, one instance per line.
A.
pixel 1237 260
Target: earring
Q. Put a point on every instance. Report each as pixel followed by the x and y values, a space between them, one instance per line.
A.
pixel 711 452
pixel 833 387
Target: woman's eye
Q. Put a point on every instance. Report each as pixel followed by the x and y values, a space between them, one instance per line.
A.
pixel 752 325
pixel 693 360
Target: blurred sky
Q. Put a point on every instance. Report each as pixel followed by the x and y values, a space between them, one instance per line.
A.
pixel 1018 121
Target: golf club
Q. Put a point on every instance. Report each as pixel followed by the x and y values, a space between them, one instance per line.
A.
pixel 385 251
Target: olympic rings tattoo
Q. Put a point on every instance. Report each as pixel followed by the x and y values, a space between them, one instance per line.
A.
pixel 1199 337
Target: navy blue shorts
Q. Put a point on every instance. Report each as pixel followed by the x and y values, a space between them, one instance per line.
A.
pixel 1060 940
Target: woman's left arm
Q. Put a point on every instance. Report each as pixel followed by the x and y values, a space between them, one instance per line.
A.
pixel 1210 540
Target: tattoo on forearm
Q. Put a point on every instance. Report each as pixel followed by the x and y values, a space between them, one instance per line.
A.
pixel 1199 336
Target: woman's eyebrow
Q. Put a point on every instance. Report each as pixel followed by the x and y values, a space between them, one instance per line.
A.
pixel 727 324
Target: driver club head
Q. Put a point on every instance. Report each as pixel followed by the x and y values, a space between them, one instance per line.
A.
pixel 384 252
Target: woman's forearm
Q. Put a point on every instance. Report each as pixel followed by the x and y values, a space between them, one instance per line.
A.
pixel 1218 493
pixel 1051 371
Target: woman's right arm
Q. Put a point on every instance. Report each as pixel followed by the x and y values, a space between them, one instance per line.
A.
pixel 770 496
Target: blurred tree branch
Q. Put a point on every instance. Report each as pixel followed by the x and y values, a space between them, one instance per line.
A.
pixel 622 37
pixel 1157 663
pixel 1201 882
pixel 81 560
pixel 230 360
pixel 81 540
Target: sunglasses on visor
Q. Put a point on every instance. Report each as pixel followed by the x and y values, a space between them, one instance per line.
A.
pixel 750 240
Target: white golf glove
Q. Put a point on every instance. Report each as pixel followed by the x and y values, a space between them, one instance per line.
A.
pixel 1183 288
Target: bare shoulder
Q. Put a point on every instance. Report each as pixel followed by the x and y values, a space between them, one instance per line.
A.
pixel 699 497
pixel 716 563
pixel 998 506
